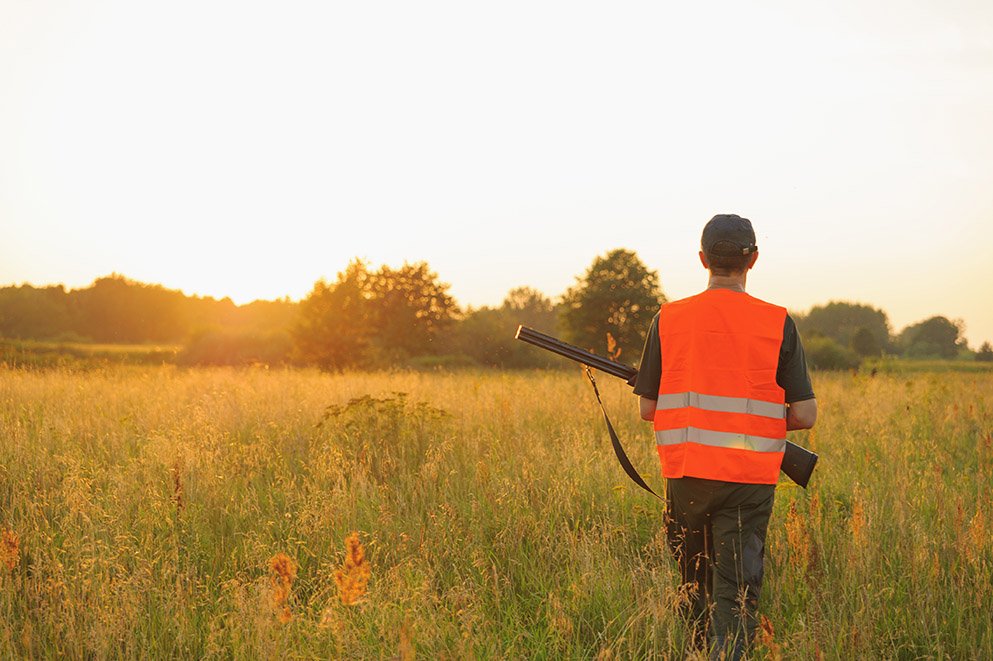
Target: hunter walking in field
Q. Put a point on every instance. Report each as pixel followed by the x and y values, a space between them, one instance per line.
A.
pixel 723 377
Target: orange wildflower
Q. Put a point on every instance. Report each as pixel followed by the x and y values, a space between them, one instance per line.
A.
pixel 353 577
pixel 10 549
pixel 767 636
pixel 283 571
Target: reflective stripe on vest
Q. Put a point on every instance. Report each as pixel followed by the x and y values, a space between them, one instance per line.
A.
pixel 719 439
pixel 722 404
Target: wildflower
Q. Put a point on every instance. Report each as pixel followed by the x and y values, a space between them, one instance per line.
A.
pixel 10 549
pixel 767 636
pixel 353 577
pixel 283 571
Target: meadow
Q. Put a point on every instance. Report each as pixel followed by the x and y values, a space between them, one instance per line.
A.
pixel 160 512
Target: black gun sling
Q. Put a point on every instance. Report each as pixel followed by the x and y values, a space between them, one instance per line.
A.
pixel 622 456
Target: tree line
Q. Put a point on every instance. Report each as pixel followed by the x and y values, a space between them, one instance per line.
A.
pixel 405 316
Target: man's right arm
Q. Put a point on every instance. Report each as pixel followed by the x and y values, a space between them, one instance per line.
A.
pixel 649 373
pixel 801 415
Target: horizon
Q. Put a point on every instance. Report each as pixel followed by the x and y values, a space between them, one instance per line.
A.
pixel 894 328
pixel 503 145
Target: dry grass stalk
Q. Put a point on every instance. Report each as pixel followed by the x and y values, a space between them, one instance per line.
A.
pixel 561 623
pixel 282 573
pixel 978 536
pixel 177 484
pixel 858 522
pixel 798 537
pixel 10 549
pixel 353 577
pixel 406 651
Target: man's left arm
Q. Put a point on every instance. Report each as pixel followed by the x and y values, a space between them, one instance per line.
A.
pixel 793 377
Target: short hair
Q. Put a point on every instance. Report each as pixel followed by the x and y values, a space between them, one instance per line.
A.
pixel 726 265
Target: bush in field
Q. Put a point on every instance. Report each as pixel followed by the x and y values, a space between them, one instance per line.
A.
pixel 985 353
pixel 823 353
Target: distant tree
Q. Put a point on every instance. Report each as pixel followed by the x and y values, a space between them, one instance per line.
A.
pixel 33 312
pixel 618 295
pixel 531 308
pixel 332 328
pixel 409 309
pixel 840 321
pixel 486 335
pixel 985 353
pixel 116 309
pixel 936 337
pixel 865 343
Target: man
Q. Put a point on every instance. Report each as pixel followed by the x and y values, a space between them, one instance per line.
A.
pixel 723 377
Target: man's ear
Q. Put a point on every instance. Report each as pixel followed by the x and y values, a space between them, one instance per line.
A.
pixel 755 258
pixel 703 260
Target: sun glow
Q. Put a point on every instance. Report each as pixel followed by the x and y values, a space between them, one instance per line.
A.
pixel 248 150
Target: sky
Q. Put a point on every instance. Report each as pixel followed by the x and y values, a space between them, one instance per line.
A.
pixel 248 149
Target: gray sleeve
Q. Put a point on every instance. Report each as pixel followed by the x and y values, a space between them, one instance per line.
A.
pixel 650 368
pixel 792 375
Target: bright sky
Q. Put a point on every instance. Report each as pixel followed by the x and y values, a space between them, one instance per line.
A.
pixel 249 148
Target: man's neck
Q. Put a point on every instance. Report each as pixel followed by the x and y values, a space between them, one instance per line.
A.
pixel 735 282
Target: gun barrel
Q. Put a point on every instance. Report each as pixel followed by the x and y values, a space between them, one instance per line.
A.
pixel 549 343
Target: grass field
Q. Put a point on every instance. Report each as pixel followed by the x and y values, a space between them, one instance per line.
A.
pixel 144 511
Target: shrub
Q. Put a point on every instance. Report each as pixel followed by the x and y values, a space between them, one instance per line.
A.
pixel 823 353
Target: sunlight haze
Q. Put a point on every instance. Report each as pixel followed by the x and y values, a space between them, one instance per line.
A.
pixel 247 149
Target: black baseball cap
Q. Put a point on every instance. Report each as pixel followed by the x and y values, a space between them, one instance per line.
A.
pixel 727 235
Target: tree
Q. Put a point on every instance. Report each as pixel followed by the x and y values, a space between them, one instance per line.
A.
pixel 935 337
pixel 618 295
pixel 486 334
pixel 332 329
pixel 865 343
pixel 531 308
pixel 409 310
pixel 841 321
pixel 985 353
pixel 30 312
pixel 373 318
pixel 116 309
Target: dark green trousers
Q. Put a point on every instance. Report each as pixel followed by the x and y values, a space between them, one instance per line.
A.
pixel 716 531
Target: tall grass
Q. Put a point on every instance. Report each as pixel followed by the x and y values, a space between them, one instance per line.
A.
pixel 159 512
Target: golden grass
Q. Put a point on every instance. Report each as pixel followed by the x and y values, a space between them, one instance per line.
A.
pixel 165 513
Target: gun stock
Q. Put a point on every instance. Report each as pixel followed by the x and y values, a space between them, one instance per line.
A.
pixel 798 462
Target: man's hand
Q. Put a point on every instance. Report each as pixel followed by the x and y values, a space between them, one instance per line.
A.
pixel 801 415
pixel 647 407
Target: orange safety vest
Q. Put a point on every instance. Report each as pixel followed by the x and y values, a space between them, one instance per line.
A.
pixel 720 414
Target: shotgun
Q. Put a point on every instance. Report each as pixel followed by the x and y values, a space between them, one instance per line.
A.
pixel 798 462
